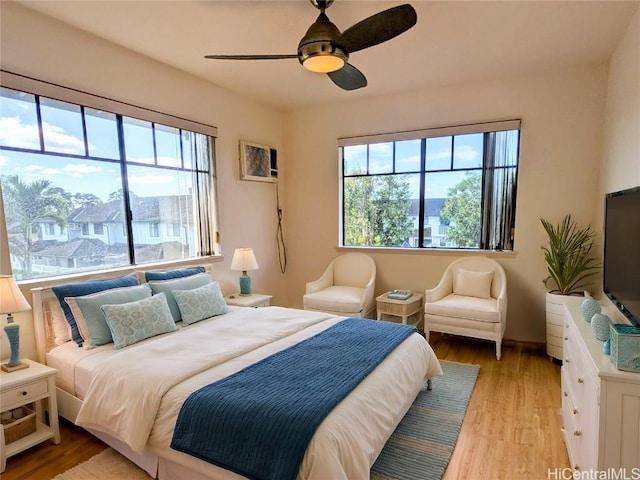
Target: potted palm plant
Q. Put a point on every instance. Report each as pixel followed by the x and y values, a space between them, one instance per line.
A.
pixel 570 263
pixel 569 256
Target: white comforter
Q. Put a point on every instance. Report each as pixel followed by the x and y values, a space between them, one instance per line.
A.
pixel 136 394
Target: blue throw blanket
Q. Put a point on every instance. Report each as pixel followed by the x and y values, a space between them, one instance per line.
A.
pixel 259 421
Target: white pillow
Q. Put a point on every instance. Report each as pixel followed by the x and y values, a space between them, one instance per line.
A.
pixel 61 329
pixel 470 283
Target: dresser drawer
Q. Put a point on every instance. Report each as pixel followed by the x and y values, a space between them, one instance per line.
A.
pixel 25 393
pixel 570 421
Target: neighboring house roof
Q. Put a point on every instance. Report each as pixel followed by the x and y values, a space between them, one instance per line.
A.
pixel 14 228
pixel 77 248
pixel 155 252
pixel 106 212
pixel 167 208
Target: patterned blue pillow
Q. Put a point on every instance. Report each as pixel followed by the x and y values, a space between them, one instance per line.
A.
pixel 86 288
pixel 135 321
pixel 90 319
pixel 185 283
pixel 200 303
pixel 169 274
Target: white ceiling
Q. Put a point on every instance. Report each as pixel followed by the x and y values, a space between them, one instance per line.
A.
pixel 453 41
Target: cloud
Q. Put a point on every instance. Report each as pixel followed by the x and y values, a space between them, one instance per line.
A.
pixel 16 134
pixel 58 140
pixel 3 160
pixel 151 179
pixel 466 153
pixel 81 169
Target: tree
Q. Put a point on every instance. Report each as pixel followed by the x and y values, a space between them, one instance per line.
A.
pixel 376 210
pixel 25 203
pixel 462 211
pixel 85 200
pixel 119 195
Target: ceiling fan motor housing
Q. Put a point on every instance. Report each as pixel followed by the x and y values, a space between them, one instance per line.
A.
pixel 322 40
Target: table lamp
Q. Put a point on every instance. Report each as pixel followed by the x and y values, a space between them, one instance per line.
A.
pixel 12 301
pixel 243 260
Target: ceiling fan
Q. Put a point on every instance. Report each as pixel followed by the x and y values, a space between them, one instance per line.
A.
pixel 324 49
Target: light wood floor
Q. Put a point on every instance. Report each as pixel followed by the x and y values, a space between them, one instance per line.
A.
pixel 511 429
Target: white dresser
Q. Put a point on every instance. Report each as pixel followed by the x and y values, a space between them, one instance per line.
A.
pixel 600 404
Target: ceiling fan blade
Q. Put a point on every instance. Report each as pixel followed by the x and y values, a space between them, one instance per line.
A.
pixel 249 57
pixel 348 77
pixel 379 28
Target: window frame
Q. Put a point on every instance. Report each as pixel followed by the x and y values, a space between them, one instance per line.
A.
pixel 423 135
pixel 207 234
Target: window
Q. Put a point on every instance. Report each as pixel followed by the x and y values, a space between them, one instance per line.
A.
pixel 154 230
pixel 173 230
pixel 111 182
pixel 452 187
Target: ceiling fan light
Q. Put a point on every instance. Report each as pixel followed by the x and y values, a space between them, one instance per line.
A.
pixel 323 63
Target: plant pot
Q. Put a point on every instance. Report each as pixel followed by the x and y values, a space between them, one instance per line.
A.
pixel 555 324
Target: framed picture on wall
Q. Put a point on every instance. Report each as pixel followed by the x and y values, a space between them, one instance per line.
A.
pixel 258 162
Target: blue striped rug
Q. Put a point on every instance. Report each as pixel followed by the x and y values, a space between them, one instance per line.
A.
pixel 421 447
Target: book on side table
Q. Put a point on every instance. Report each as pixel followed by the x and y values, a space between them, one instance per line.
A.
pixel 399 294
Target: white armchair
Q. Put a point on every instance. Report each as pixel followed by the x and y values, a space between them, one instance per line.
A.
pixel 346 287
pixel 470 300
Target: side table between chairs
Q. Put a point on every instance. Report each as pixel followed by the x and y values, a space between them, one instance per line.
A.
pixel 411 310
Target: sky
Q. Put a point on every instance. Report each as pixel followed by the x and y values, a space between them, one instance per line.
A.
pixel 467 153
pixel 63 133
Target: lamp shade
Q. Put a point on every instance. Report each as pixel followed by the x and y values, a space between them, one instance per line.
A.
pixel 243 260
pixel 11 298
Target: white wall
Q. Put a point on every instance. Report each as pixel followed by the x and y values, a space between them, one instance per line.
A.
pixel 563 153
pixel 562 116
pixel 43 48
pixel 620 167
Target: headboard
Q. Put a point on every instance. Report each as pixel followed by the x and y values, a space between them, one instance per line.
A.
pixel 43 320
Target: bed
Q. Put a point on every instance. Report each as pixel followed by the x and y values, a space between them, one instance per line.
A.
pixel 161 372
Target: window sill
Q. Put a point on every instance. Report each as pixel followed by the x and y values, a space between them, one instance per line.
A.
pixel 115 272
pixel 431 251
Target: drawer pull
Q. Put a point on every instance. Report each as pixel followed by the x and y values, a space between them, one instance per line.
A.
pixel 25 393
pixel 565 394
pixel 577 433
pixel 580 380
pixel 575 411
pixel 566 338
pixel 567 360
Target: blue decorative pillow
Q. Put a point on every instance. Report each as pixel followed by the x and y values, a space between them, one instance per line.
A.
pixel 135 321
pixel 184 283
pixel 90 319
pixel 170 274
pixel 85 288
pixel 200 303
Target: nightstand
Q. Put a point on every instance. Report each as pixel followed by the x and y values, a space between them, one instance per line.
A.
pixel 411 310
pixel 20 388
pixel 255 300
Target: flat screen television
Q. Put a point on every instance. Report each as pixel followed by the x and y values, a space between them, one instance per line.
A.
pixel 621 280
